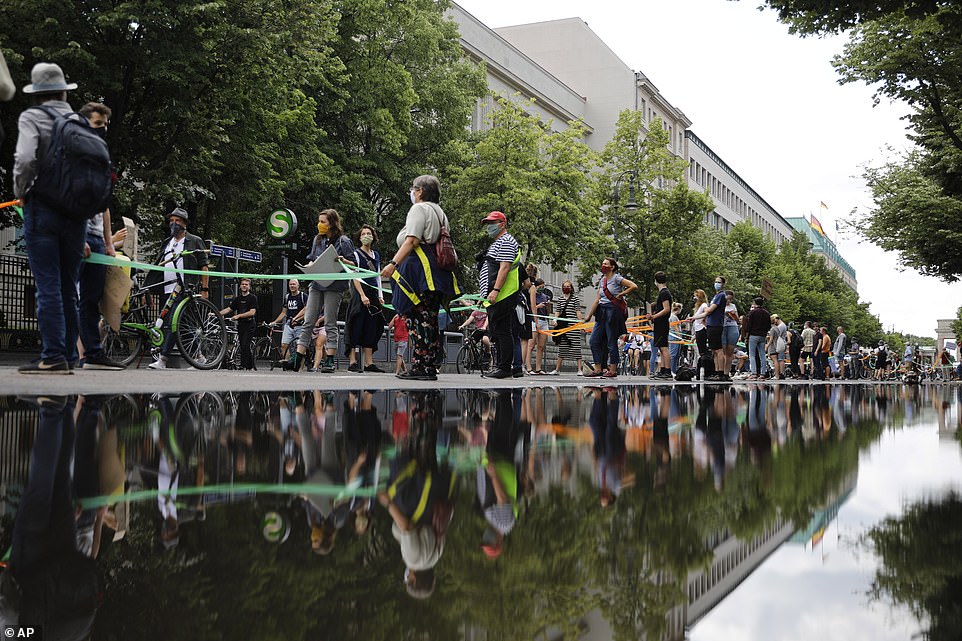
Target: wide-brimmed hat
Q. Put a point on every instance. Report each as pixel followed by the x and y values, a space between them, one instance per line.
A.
pixel 495 217
pixel 47 77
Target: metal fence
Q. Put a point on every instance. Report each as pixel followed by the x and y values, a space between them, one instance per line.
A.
pixel 18 306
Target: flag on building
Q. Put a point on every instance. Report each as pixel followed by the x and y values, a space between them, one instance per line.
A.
pixel 823 205
pixel 817 226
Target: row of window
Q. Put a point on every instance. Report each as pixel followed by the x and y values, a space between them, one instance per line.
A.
pixel 721 567
pixel 702 177
pixel 648 115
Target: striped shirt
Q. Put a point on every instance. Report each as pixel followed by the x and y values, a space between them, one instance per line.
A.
pixel 504 249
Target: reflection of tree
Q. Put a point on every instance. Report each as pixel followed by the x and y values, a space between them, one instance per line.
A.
pixel 921 555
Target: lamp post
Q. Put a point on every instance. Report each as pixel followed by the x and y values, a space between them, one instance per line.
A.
pixel 631 176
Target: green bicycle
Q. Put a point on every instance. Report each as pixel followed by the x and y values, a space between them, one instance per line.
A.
pixel 198 328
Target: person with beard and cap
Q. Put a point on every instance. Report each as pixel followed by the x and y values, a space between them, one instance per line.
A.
pixel 498 281
pixel 54 241
pixel 170 253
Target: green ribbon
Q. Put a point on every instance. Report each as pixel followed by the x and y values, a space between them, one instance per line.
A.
pixel 102 259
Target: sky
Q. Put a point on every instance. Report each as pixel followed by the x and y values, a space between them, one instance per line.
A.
pixel 770 105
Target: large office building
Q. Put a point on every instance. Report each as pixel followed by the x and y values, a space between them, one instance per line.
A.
pixel 574 75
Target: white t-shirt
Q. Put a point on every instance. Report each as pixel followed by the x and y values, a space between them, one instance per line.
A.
pixel 173 247
pixel 699 323
pixel 424 222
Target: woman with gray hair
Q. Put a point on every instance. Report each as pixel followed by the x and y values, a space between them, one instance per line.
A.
pixel 420 284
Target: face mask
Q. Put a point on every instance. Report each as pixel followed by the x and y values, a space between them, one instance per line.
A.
pixel 566 290
pixel 101 131
pixel 605 269
pixel 413 199
pixel 176 229
pixel 493 229
pixel 718 287
pixel 322 229
pixel 367 239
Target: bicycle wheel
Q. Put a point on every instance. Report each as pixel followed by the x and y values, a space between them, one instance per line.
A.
pixel 265 353
pixel 123 346
pixel 202 412
pixel 200 333
pixel 467 360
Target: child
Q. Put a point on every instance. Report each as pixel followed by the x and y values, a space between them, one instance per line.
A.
pixel 400 330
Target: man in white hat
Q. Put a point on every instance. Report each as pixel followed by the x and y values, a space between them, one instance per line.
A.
pixel 55 242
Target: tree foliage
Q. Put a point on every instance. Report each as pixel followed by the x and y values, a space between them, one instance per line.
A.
pixel 234 108
pixel 809 17
pixel 538 176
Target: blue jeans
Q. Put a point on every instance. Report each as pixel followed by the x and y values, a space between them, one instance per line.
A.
pixel 756 355
pixel 604 338
pixel 55 246
pixel 91 290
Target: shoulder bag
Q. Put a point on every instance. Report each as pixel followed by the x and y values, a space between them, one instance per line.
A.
pixel 444 250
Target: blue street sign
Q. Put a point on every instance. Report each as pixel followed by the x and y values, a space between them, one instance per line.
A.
pixel 222 250
pixel 246 254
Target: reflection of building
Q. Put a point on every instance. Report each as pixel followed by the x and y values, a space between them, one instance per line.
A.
pixel 823 246
pixel 815 529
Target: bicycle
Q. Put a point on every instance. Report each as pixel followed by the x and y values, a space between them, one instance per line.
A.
pixel 198 328
pixel 473 356
pixel 232 355
pixel 266 352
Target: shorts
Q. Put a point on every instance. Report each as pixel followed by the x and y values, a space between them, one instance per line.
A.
pixel 401 348
pixel 659 338
pixel 806 354
pixel 715 336
pixel 730 335
pixel 542 324
pixel 317 331
pixel 291 334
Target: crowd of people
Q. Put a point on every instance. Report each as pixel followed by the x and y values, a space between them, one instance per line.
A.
pixel 514 319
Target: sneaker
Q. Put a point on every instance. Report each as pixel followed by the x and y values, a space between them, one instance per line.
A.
pixel 581 372
pixel 609 374
pixel 101 361
pixel 52 402
pixel 354 367
pixel 417 375
pixel 497 373
pixel 328 366
pixel 313 370
pixel 594 374
pixel 553 372
pixel 46 367
pixel 517 372
pixel 160 363
pixel 374 369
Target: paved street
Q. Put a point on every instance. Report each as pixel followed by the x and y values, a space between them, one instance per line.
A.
pixel 183 380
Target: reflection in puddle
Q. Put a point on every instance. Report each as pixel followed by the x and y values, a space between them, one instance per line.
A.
pixel 596 513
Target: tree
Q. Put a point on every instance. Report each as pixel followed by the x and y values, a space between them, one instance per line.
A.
pixel 540 178
pixel 663 230
pixel 809 17
pixel 921 563
pixel 234 108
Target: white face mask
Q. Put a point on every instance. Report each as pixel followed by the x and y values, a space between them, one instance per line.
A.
pixel 413 199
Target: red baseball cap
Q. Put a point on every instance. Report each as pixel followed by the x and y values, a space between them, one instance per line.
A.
pixel 495 217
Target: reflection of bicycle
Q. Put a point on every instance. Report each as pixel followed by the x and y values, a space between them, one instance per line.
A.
pixel 198 328
pixel 473 355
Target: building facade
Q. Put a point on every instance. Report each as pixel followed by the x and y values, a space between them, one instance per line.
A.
pixel 580 77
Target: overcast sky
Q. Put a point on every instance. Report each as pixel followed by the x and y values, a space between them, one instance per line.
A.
pixel 770 105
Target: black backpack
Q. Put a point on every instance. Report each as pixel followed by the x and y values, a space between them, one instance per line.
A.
pixel 74 175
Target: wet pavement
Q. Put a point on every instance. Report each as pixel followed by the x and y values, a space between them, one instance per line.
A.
pixel 366 511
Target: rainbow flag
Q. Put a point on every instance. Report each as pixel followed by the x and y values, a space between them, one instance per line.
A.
pixel 817 226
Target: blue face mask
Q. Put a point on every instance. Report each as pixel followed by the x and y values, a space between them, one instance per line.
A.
pixel 493 229
pixel 718 287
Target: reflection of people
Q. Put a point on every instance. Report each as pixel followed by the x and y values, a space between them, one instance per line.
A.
pixel 497 478
pixel 362 442
pixel 56 584
pixel 609 444
pixel 418 496
pixel 325 515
